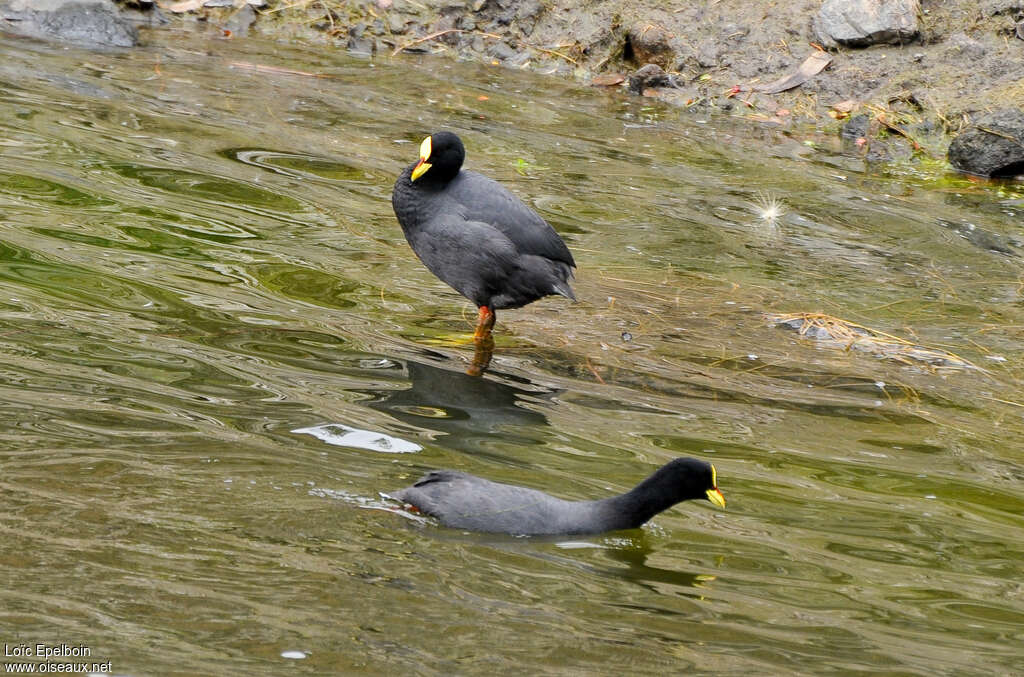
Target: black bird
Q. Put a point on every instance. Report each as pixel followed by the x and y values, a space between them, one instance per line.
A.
pixel 468 502
pixel 475 235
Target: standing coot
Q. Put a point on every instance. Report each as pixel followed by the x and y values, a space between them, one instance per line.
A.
pixel 468 502
pixel 477 236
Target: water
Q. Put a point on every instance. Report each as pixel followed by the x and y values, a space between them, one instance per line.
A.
pixel 199 264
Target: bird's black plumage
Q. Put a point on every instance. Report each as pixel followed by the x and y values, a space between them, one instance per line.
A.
pixel 474 234
pixel 468 502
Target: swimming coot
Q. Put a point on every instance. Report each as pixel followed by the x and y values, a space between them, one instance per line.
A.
pixel 477 236
pixel 468 502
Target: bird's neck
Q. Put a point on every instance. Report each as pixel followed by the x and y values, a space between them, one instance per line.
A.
pixel 622 512
pixel 435 181
pixel 637 506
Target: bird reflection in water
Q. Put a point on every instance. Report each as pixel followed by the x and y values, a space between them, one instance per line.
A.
pixel 483 350
pixel 469 410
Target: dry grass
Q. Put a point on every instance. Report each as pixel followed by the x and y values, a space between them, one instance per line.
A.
pixel 850 335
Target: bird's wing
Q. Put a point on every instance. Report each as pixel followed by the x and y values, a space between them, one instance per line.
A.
pixel 471 256
pixel 483 199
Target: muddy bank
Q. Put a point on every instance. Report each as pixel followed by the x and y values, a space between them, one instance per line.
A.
pixel 965 57
pixel 939 65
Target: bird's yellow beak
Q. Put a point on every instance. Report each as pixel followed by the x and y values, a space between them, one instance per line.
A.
pixel 716 497
pixel 422 166
pixel 713 494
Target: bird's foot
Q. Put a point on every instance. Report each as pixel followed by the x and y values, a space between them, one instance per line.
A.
pixel 485 324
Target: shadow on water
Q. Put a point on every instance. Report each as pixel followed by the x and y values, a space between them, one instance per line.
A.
pixel 469 409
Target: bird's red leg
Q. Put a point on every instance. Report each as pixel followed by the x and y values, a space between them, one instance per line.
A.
pixel 484 343
pixel 483 327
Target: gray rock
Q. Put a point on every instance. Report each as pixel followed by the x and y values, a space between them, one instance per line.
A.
pixel 859 23
pixel 502 50
pixel 961 46
pixel 1004 7
pixel 708 54
pixel 856 127
pixel 649 76
pixel 529 9
pixel 142 14
pixel 364 46
pixel 91 23
pixel 240 21
pixel 992 146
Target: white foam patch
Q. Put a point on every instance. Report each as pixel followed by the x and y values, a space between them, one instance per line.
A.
pixel 344 436
pixel 385 503
pixel 578 545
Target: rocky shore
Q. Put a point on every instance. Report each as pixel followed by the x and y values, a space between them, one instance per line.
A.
pixel 917 72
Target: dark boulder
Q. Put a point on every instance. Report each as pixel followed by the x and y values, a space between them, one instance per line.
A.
pixel 650 43
pixel 992 146
pixel 648 77
pixel 856 127
pixel 90 23
pixel 859 23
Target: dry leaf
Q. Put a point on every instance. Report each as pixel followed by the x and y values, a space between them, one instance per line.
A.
pixel 608 79
pixel 811 66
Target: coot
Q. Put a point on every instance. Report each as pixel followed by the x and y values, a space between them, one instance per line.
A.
pixel 475 235
pixel 465 501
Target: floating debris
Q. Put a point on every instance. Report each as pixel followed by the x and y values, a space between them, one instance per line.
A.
pixel 608 79
pixel 345 436
pixel 850 335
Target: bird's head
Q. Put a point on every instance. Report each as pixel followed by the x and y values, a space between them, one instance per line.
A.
pixel 683 479
pixel 441 154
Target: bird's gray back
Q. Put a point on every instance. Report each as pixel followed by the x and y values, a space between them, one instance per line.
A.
pixel 467 502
